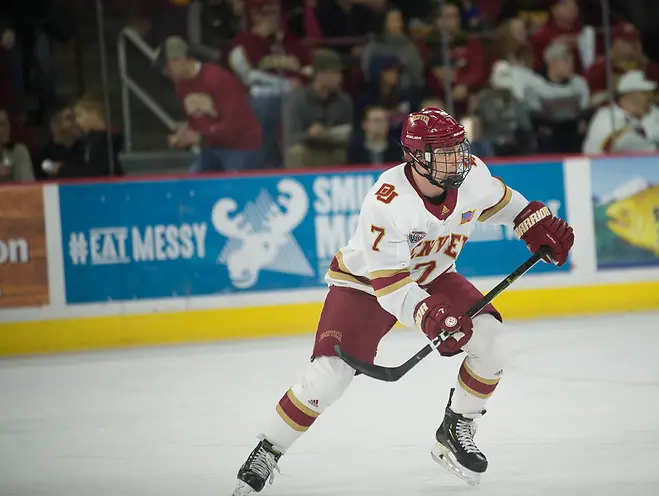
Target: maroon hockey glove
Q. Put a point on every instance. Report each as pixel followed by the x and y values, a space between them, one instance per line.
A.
pixel 434 316
pixel 538 227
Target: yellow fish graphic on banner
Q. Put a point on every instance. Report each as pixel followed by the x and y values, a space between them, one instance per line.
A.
pixel 636 219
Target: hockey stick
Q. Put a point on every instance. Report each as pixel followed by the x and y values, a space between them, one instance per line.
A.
pixel 391 374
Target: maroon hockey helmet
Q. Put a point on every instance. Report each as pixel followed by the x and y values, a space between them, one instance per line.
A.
pixel 436 145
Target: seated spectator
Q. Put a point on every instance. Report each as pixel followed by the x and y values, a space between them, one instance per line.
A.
pixel 512 44
pixel 99 147
pixel 392 40
pixel 465 68
pixel 318 120
pixel 626 55
pixel 374 145
pixel 60 152
pixel 629 125
pixel 220 120
pixel 15 161
pixel 504 120
pixel 384 90
pixel 81 145
pixel 559 101
pixel 271 63
pixel 564 27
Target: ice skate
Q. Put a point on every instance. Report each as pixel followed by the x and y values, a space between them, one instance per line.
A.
pixel 455 448
pixel 258 470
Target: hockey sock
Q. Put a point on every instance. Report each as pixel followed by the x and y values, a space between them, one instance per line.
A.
pixel 323 383
pixel 482 369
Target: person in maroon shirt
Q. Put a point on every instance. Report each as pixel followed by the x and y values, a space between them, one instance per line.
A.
pixel 271 62
pixel 626 55
pixel 220 119
pixel 563 26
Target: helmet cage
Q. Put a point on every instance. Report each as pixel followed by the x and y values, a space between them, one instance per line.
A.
pixel 446 167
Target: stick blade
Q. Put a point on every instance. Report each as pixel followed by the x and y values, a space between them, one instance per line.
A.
pixel 369 369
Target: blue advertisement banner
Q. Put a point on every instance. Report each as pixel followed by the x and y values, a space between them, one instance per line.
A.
pixel 626 211
pixel 494 250
pixel 200 237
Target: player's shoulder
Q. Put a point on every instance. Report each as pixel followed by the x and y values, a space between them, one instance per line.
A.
pixel 392 196
pixel 479 182
pixel 479 172
pixel 393 185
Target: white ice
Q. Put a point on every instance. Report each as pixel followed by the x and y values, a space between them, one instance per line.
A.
pixel 576 414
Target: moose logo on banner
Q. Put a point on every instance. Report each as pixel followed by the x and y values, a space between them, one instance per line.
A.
pixel 260 237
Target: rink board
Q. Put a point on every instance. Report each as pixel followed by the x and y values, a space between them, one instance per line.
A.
pixel 287 320
pixel 144 262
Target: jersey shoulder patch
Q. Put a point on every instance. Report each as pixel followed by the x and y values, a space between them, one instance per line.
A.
pixel 386 193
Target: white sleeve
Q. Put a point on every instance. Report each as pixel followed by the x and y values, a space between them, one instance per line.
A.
pixel 534 90
pixel 242 67
pixel 387 257
pixel 502 204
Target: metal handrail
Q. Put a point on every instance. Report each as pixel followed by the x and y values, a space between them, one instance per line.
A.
pixel 129 85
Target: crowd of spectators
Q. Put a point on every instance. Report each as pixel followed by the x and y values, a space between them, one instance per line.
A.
pixel 42 137
pixel 328 82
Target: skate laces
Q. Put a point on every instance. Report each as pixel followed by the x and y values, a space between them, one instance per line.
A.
pixel 263 463
pixel 466 429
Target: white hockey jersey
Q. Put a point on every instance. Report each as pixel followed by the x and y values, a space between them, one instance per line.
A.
pixel 403 241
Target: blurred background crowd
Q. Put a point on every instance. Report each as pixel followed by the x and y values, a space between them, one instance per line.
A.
pixel 92 88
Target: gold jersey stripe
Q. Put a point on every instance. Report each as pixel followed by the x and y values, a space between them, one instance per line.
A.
pixel 500 205
pixel 377 274
pixel 340 276
pixel 393 287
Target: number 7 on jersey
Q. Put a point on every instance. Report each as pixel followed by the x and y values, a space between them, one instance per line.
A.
pixel 380 231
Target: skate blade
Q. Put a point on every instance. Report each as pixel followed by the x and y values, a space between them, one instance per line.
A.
pixel 442 455
pixel 242 489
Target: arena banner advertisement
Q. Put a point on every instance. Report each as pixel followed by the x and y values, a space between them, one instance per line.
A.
pixel 494 250
pixel 23 259
pixel 205 237
pixel 209 237
pixel 625 195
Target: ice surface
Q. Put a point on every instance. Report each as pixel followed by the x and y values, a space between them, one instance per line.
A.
pixel 577 413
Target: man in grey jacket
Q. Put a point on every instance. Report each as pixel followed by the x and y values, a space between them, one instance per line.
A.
pixel 318 119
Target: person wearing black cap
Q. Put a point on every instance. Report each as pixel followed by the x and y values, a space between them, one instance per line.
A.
pixel 220 120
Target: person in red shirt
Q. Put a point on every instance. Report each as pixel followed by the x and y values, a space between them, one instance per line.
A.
pixel 220 119
pixel 271 62
pixel 626 55
pixel 563 26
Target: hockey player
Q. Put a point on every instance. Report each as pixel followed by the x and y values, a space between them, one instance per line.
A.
pixel 400 265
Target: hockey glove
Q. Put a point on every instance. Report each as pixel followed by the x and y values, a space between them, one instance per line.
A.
pixel 434 316
pixel 538 227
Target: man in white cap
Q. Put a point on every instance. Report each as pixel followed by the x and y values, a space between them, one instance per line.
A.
pixel 631 124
